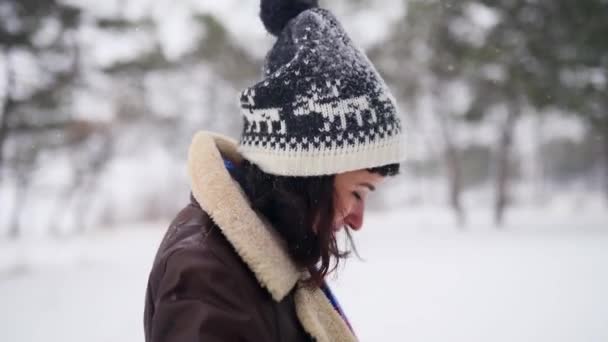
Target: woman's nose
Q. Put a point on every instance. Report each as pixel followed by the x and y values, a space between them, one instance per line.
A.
pixel 354 219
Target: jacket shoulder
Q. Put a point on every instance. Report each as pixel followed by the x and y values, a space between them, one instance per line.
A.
pixel 194 243
pixel 197 273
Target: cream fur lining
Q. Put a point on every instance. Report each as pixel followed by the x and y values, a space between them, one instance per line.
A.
pixel 319 318
pixel 223 200
pixel 255 242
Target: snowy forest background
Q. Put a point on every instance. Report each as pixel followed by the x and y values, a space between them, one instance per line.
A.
pixel 504 103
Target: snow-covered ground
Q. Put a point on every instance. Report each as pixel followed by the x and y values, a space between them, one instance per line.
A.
pixel 543 278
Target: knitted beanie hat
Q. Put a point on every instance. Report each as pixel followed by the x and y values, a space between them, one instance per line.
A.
pixel 322 108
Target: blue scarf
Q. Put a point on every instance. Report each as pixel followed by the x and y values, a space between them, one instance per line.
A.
pixel 334 302
pixel 229 165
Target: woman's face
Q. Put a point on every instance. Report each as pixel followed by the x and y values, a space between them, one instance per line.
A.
pixel 351 190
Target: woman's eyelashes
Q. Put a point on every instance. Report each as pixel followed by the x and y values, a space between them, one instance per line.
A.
pixel 357 196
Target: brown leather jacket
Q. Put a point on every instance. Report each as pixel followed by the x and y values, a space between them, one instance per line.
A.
pixel 223 274
pixel 200 290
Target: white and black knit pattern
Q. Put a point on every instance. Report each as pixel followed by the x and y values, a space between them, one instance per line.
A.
pixel 322 108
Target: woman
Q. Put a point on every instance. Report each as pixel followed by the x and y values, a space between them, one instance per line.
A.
pixel 247 258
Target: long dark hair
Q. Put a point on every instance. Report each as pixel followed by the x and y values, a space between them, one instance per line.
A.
pixel 293 205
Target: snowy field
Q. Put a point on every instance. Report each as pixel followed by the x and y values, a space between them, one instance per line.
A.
pixel 544 278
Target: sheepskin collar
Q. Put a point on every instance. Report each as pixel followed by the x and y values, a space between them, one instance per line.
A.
pixel 223 199
pixel 253 238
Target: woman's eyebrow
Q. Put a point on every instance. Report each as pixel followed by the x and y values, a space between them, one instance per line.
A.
pixel 371 187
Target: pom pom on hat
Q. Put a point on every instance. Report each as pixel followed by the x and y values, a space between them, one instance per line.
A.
pixel 275 14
